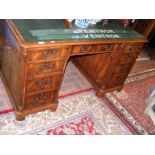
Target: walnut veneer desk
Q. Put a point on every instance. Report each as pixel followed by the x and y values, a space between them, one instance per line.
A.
pixel 35 54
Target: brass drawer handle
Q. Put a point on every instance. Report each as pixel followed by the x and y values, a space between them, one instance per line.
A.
pixel 89 48
pixel 47 66
pixel 42 98
pixel 51 53
pixel 108 47
pixel 43 83
pixel 84 48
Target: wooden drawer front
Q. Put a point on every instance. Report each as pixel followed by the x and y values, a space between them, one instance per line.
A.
pixel 40 98
pixel 108 47
pixel 88 48
pixel 85 49
pixel 48 54
pixel 42 83
pixel 95 48
pixel 128 58
pixel 45 67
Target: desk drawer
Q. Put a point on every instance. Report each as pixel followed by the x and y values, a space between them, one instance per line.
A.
pixel 43 83
pixel 45 67
pixel 84 49
pixel 48 54
pixel 40 98
pixel 93 48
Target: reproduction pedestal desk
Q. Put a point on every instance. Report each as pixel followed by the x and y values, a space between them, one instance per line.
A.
pixel 35 54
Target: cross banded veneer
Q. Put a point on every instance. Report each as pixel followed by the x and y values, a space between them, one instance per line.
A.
pixel 35 54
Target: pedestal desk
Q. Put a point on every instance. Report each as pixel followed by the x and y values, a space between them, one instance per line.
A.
pixel 35 54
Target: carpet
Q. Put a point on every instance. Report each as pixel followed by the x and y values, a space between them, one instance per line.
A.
pixel 80 126
pixel 132 101
pixel 78 114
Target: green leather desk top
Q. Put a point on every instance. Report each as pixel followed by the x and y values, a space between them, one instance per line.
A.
pixel 37 30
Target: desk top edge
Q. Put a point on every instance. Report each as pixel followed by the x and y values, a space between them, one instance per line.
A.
pixel 24 43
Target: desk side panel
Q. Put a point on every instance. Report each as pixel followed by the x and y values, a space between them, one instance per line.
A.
pixel 10 66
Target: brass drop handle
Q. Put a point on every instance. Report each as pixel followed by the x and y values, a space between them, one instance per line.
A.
pixel 42 98
pixel 51 53
pixel 46 66
pixel 93 48
pixel 108 47
pixel 43 83
pixel 89 48
pixel 84 48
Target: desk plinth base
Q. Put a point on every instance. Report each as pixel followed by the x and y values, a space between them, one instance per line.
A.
pixel 100 93
pixel 20 116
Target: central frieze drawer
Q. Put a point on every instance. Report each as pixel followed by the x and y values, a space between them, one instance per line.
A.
pixel 93 48
pixel 42 83
pixel 84 49
pixel 48 54
pixel 45 67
